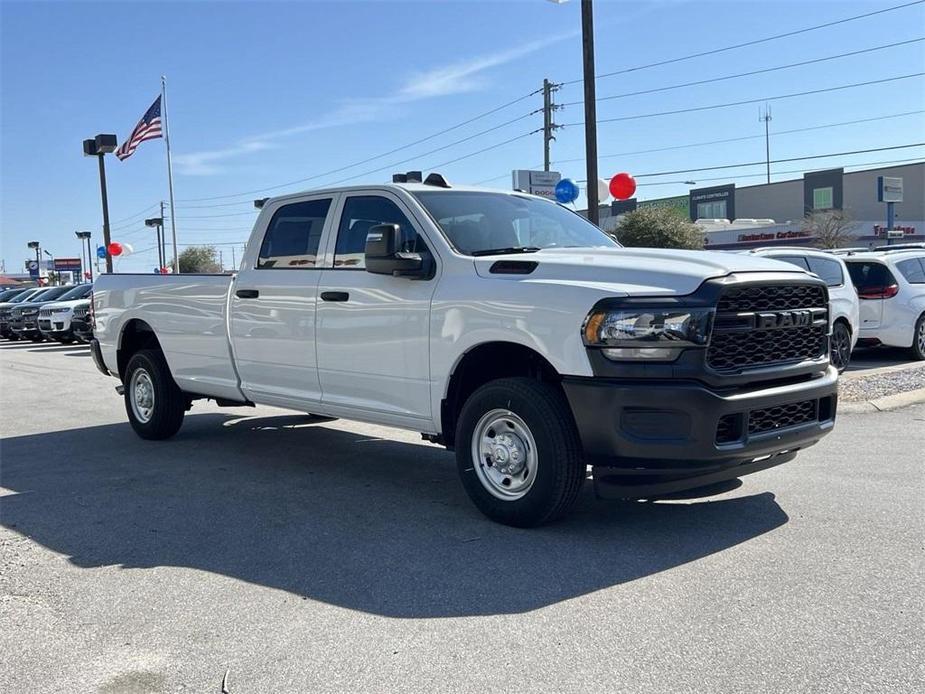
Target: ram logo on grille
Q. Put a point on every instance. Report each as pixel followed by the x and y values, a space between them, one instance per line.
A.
pixel 784 319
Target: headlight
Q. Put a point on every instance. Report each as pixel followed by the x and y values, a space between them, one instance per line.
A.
pixel 60 310
pixel 638 334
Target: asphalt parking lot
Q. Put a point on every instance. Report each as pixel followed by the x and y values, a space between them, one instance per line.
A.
pixel 306 556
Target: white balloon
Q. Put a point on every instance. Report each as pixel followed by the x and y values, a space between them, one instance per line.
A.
pixel 603 190
pixel 127 249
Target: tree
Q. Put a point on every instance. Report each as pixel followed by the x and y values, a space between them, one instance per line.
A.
pixel 652 227
pixel 199 259
pixel 831 228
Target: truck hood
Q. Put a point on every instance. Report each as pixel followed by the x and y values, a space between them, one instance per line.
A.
pixel 67 304
pixel 632 271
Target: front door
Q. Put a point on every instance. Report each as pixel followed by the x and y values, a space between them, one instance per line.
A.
pixel 273 306
pixel 373 330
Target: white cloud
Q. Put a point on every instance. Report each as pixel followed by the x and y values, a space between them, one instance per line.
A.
pixel 454 78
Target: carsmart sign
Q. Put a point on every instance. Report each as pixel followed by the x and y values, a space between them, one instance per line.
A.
pixel 889 189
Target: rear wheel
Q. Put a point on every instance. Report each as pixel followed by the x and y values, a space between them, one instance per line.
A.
pixel 841 346
pixel 154 403
pixel 518 452
pixel 918 339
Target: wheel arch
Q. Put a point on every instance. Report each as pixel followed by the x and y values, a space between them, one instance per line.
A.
pixel 488 361
pixel 136 334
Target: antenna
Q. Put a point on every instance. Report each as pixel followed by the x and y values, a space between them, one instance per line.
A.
pixel 765 116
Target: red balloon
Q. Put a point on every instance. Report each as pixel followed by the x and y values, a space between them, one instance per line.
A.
pixel 115 248
pixel 622 186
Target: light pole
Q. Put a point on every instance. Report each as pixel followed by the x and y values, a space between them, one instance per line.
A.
pixel 98 147
pixel 53 270
pixel 85 236
pixel 158 223
pixel 36 246
pixel 587 46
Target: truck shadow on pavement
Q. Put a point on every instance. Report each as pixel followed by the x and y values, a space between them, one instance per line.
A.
pixel 367 524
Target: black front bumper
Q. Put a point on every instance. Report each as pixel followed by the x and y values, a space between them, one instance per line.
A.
pixel 682 434
pixel 25 327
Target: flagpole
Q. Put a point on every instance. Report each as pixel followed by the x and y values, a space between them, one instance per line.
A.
pixel 173 209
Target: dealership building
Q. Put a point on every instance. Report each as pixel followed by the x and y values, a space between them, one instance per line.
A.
pixel 772 214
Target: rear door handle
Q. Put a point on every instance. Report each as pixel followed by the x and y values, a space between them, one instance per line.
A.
pixel 247 293
pixel 334 296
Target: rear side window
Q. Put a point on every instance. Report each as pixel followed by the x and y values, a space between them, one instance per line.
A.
pixel 828 270
pixel 362 213
pixel 797 260
pixel 868 275
pixel 913 270
pixel 293 236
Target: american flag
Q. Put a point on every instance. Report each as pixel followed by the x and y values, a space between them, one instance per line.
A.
pixel 148 128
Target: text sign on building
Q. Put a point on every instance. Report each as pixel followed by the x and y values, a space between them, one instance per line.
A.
pixel 542 183
pixel 67 265
pixel 889 189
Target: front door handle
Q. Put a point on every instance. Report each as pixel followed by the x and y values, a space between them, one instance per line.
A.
pixel 334 296
pixel 247 293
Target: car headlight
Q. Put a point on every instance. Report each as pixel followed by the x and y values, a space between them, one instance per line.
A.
pixel 647 333
pixel 60 310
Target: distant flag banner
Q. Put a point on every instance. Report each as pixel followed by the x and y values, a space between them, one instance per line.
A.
pixel 148 128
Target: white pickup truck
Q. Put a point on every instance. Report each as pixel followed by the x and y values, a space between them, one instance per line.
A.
pixel 500 325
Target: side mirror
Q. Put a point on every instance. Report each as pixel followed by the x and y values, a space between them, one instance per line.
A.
pixel 385 257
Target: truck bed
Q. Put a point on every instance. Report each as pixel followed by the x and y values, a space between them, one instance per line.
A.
pixel 189 315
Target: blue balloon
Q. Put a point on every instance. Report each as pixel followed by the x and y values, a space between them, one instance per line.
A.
pixel 566 190
pixel 101 252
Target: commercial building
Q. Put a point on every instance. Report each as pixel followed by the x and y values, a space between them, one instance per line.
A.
pixel 773 214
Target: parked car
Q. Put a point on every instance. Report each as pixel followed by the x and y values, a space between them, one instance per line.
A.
pixel 11 292
pixel 501 325
pixel 24 316
pixel 6 310
pixel 891 287
pixel 844 308
pixel 82 321
pixel 55 318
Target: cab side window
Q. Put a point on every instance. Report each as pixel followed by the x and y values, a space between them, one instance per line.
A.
pixel 797 260
pixel 293 236
pixel 361 213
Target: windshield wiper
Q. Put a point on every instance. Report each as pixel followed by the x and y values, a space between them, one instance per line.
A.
pixel 508 250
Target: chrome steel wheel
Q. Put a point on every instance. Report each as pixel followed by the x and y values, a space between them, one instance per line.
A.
pixel 141 390
pixel 841 347
pixel 504 455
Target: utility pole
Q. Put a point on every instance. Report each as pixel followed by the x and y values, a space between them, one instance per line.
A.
pixel 234 265
pixel 162 239
pixel 587 45
pixel 765 116
pixel 221 260
pixel 548 126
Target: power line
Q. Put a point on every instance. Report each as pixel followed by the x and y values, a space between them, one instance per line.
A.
pixel 780 161
pixel 140 213
pixel 753 42
pixel 391 151
pixel 439 149
pixel 746 137
pixel 751 72
pixel 184 217
pixel 778 173
pixel 753 101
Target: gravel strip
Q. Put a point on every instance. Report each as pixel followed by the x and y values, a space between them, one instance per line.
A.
pixel 878 385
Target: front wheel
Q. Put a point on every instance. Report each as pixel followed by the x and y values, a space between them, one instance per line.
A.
pixel 918 339
pixel 518 452
pixel 841 346
pixel 154 403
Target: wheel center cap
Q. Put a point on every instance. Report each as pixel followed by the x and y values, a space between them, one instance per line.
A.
pixel 508 454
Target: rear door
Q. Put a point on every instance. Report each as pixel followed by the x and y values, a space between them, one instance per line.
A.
pixel 873 281
pixel 273 304
pixel 373 330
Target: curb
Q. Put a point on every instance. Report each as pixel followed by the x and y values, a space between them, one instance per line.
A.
pixel 884 404
pixel 879 370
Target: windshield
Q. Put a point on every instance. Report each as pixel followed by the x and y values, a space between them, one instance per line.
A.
pixel 26 295
pixel 78 292
pixel 50 294
pixel 477 223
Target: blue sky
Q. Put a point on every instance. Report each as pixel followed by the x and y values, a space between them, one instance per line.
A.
pixel 265 93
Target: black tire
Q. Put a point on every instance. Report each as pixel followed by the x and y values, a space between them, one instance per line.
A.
pixel 168 404
pixel 65 340
pixel 841 345
pixel 918 339
pixel 37 338
pixel 560 469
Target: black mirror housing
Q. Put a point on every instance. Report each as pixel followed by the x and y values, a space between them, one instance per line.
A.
pixel 385 257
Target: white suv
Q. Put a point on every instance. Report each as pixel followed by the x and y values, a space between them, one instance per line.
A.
pixel 55 318
pixel 844 309
pixel 891 286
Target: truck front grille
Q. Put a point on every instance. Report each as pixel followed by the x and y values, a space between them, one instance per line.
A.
pixel 731 427
pixel 768 324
